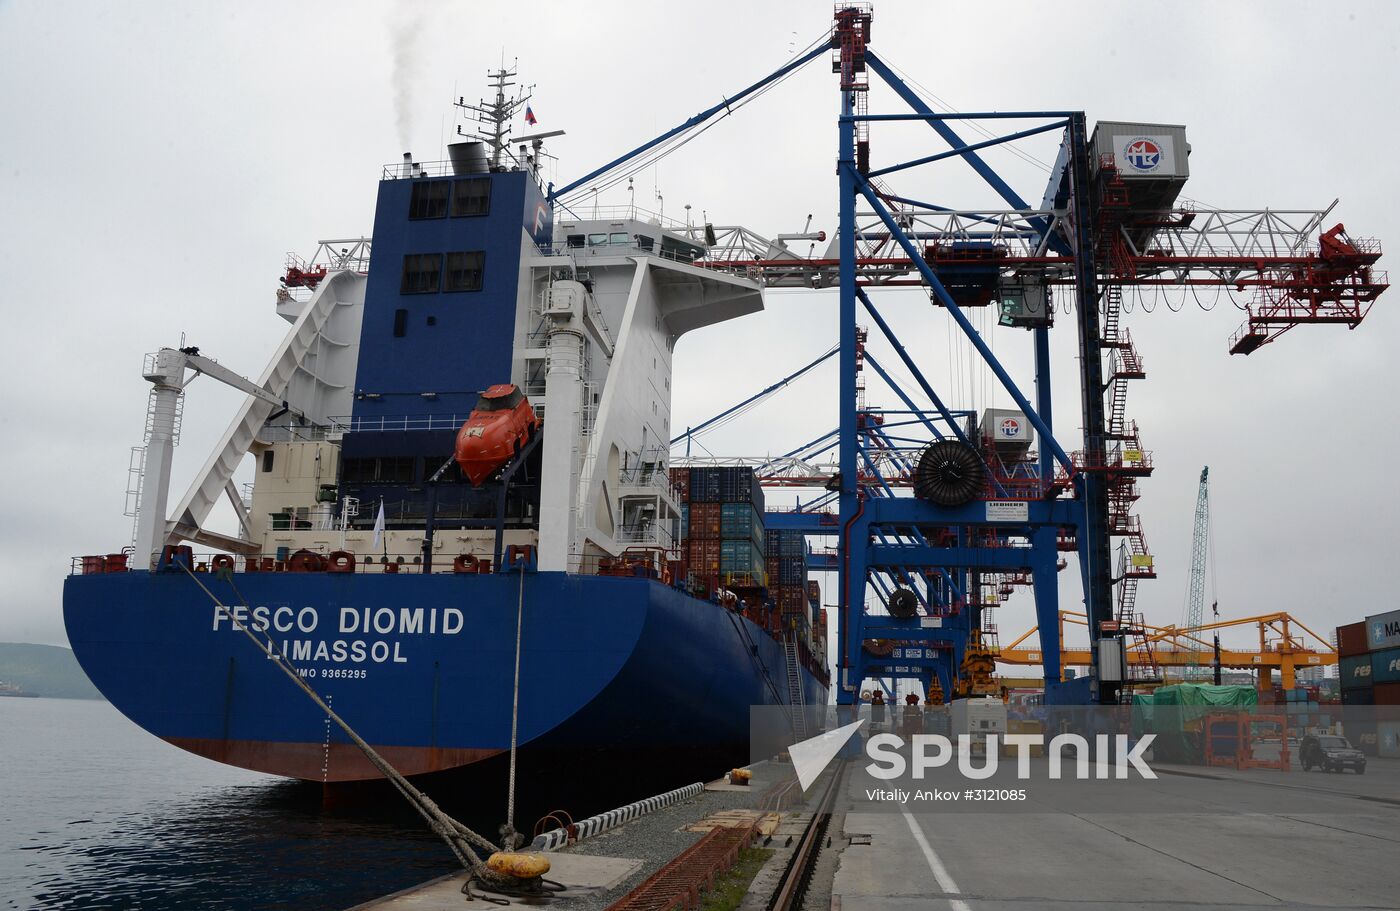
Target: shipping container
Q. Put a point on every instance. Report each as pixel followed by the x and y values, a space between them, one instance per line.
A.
pixel 1354 671
pixel 1383 631
pixel 704 522
pixel 1388 739
pixel 814 590
pixel 1361 733
pixel 704 485
pixel 741 521
pixel 793 571
pixel 784 542
pixel 1386 693
pixel 1361 695
pixel 703 555
pixel 741 557
pixel 685 521
pixel 1351 639
pixel 791 599
pixel 1385 666
pixel 680 483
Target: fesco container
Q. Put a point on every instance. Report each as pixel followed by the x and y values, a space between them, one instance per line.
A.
pixel 1383 631
pixel 1385 666
pixel 1351 639
pixel 1362 734
pixel 1355 671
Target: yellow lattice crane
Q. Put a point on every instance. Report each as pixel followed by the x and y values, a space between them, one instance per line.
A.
pixel 1284 643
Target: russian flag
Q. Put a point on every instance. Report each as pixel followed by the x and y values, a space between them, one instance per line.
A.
pixel 530 116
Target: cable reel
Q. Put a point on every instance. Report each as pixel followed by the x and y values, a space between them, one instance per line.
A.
pixel 950 473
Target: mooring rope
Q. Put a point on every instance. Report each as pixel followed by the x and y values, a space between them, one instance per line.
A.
pixel 458 837
pixel 508 835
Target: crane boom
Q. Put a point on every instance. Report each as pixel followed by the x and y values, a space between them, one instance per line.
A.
pixel 1196 592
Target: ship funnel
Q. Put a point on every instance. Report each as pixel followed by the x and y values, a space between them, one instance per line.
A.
pixel 468 158
pixel 407 165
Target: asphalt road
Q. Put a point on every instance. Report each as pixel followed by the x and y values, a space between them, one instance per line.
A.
pixel 1194 838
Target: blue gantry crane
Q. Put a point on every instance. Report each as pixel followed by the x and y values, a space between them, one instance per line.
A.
pixel 940 511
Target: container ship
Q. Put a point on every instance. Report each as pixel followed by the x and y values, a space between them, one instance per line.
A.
pixel 467 425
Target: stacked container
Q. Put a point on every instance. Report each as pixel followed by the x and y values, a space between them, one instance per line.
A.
pixel 721 526
pixel 785 556
pixel 1369 667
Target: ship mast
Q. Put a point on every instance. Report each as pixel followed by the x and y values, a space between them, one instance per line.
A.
pixel 496 114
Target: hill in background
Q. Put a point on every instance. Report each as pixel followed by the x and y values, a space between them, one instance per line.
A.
pixel 45 670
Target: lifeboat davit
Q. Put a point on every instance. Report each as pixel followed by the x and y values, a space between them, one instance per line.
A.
pixel 500 425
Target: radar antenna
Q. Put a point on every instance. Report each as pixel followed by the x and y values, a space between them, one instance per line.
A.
pixel 497 114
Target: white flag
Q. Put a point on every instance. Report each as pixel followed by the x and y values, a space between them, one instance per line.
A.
pixel 379 526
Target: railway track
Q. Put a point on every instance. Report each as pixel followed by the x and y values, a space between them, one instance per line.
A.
pixel 797 877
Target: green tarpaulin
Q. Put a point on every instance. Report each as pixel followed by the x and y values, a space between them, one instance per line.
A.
pixel 1174 714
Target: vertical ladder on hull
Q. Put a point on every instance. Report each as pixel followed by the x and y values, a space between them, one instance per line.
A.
pixel 796 697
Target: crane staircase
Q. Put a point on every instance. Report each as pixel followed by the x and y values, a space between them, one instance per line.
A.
pixel 1125 462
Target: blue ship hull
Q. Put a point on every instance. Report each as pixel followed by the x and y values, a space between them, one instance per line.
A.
pixel 422 665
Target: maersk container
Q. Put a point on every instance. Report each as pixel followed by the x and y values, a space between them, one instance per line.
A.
pixel 1143 151
pixel 1383 630
pixel 1388 739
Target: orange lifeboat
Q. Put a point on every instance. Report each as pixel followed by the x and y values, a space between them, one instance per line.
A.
pixel 500 425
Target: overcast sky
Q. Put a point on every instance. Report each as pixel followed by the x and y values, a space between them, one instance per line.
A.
pixel 159 160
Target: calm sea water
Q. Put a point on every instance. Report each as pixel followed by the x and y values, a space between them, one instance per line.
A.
pixel 96 813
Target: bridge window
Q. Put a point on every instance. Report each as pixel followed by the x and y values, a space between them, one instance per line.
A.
pixel 389 470
pixel 429 199
pixel 464 271
pixel 471 196
pixel 422 273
